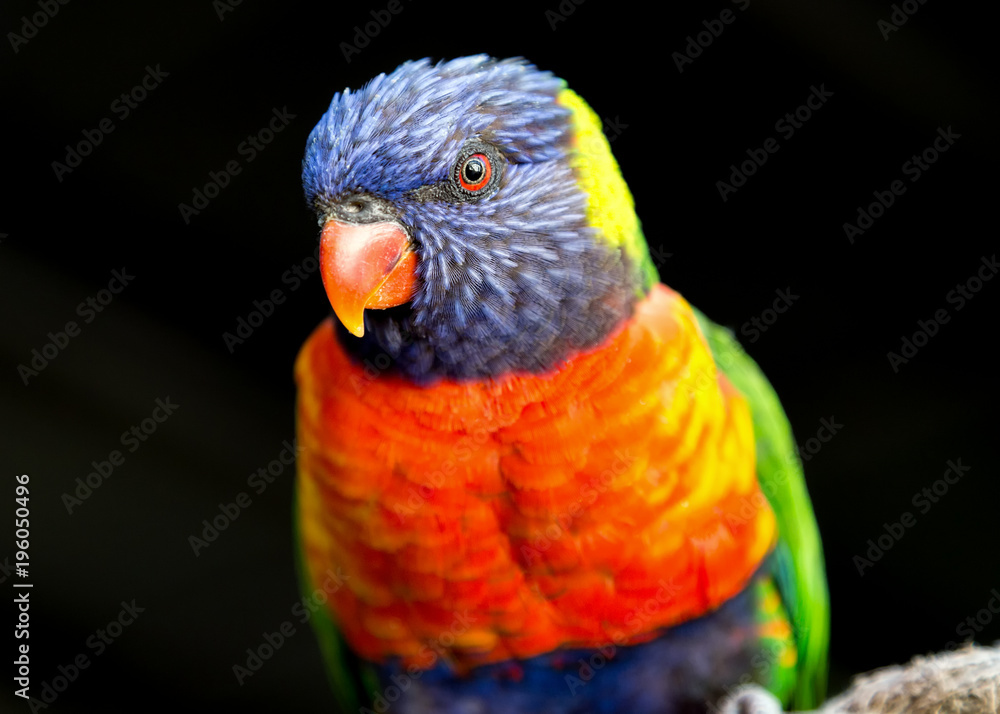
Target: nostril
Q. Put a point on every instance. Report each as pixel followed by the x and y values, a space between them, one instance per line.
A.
pixel 361 208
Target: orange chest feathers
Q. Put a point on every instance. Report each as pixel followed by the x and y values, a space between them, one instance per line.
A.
pixel 508 518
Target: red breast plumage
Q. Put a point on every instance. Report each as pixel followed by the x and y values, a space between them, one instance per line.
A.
pixel 598 503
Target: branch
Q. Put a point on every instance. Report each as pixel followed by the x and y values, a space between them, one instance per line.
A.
pixel 963 682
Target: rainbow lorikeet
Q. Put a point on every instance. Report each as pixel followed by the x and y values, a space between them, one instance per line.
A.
pixel 541 481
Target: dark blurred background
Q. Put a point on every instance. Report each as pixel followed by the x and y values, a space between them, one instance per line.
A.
pixel 218 73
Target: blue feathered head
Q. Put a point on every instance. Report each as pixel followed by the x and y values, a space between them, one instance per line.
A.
pixel 456 235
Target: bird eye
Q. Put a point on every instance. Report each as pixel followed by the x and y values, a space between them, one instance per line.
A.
pixel 475 172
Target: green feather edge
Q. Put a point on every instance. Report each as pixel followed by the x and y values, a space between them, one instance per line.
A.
pixel 800 572
pixel 340 662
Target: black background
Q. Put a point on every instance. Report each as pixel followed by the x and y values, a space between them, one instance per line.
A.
pixel 678 134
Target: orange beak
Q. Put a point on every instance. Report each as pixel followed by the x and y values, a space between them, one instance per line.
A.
pixel 369 265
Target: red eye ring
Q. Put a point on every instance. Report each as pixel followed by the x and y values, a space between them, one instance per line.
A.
pixel 475 172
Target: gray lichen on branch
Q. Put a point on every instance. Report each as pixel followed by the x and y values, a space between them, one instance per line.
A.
pixel 966 681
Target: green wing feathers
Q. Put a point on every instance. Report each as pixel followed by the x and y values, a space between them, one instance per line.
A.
pixel 800 572
pixel 341 665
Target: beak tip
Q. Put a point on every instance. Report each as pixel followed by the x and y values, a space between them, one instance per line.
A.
pixel 365 266
pixel 353 320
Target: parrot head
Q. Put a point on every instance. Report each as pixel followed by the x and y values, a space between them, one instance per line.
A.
pixel 474 222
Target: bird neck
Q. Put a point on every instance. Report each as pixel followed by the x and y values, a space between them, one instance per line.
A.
pixel 610 207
